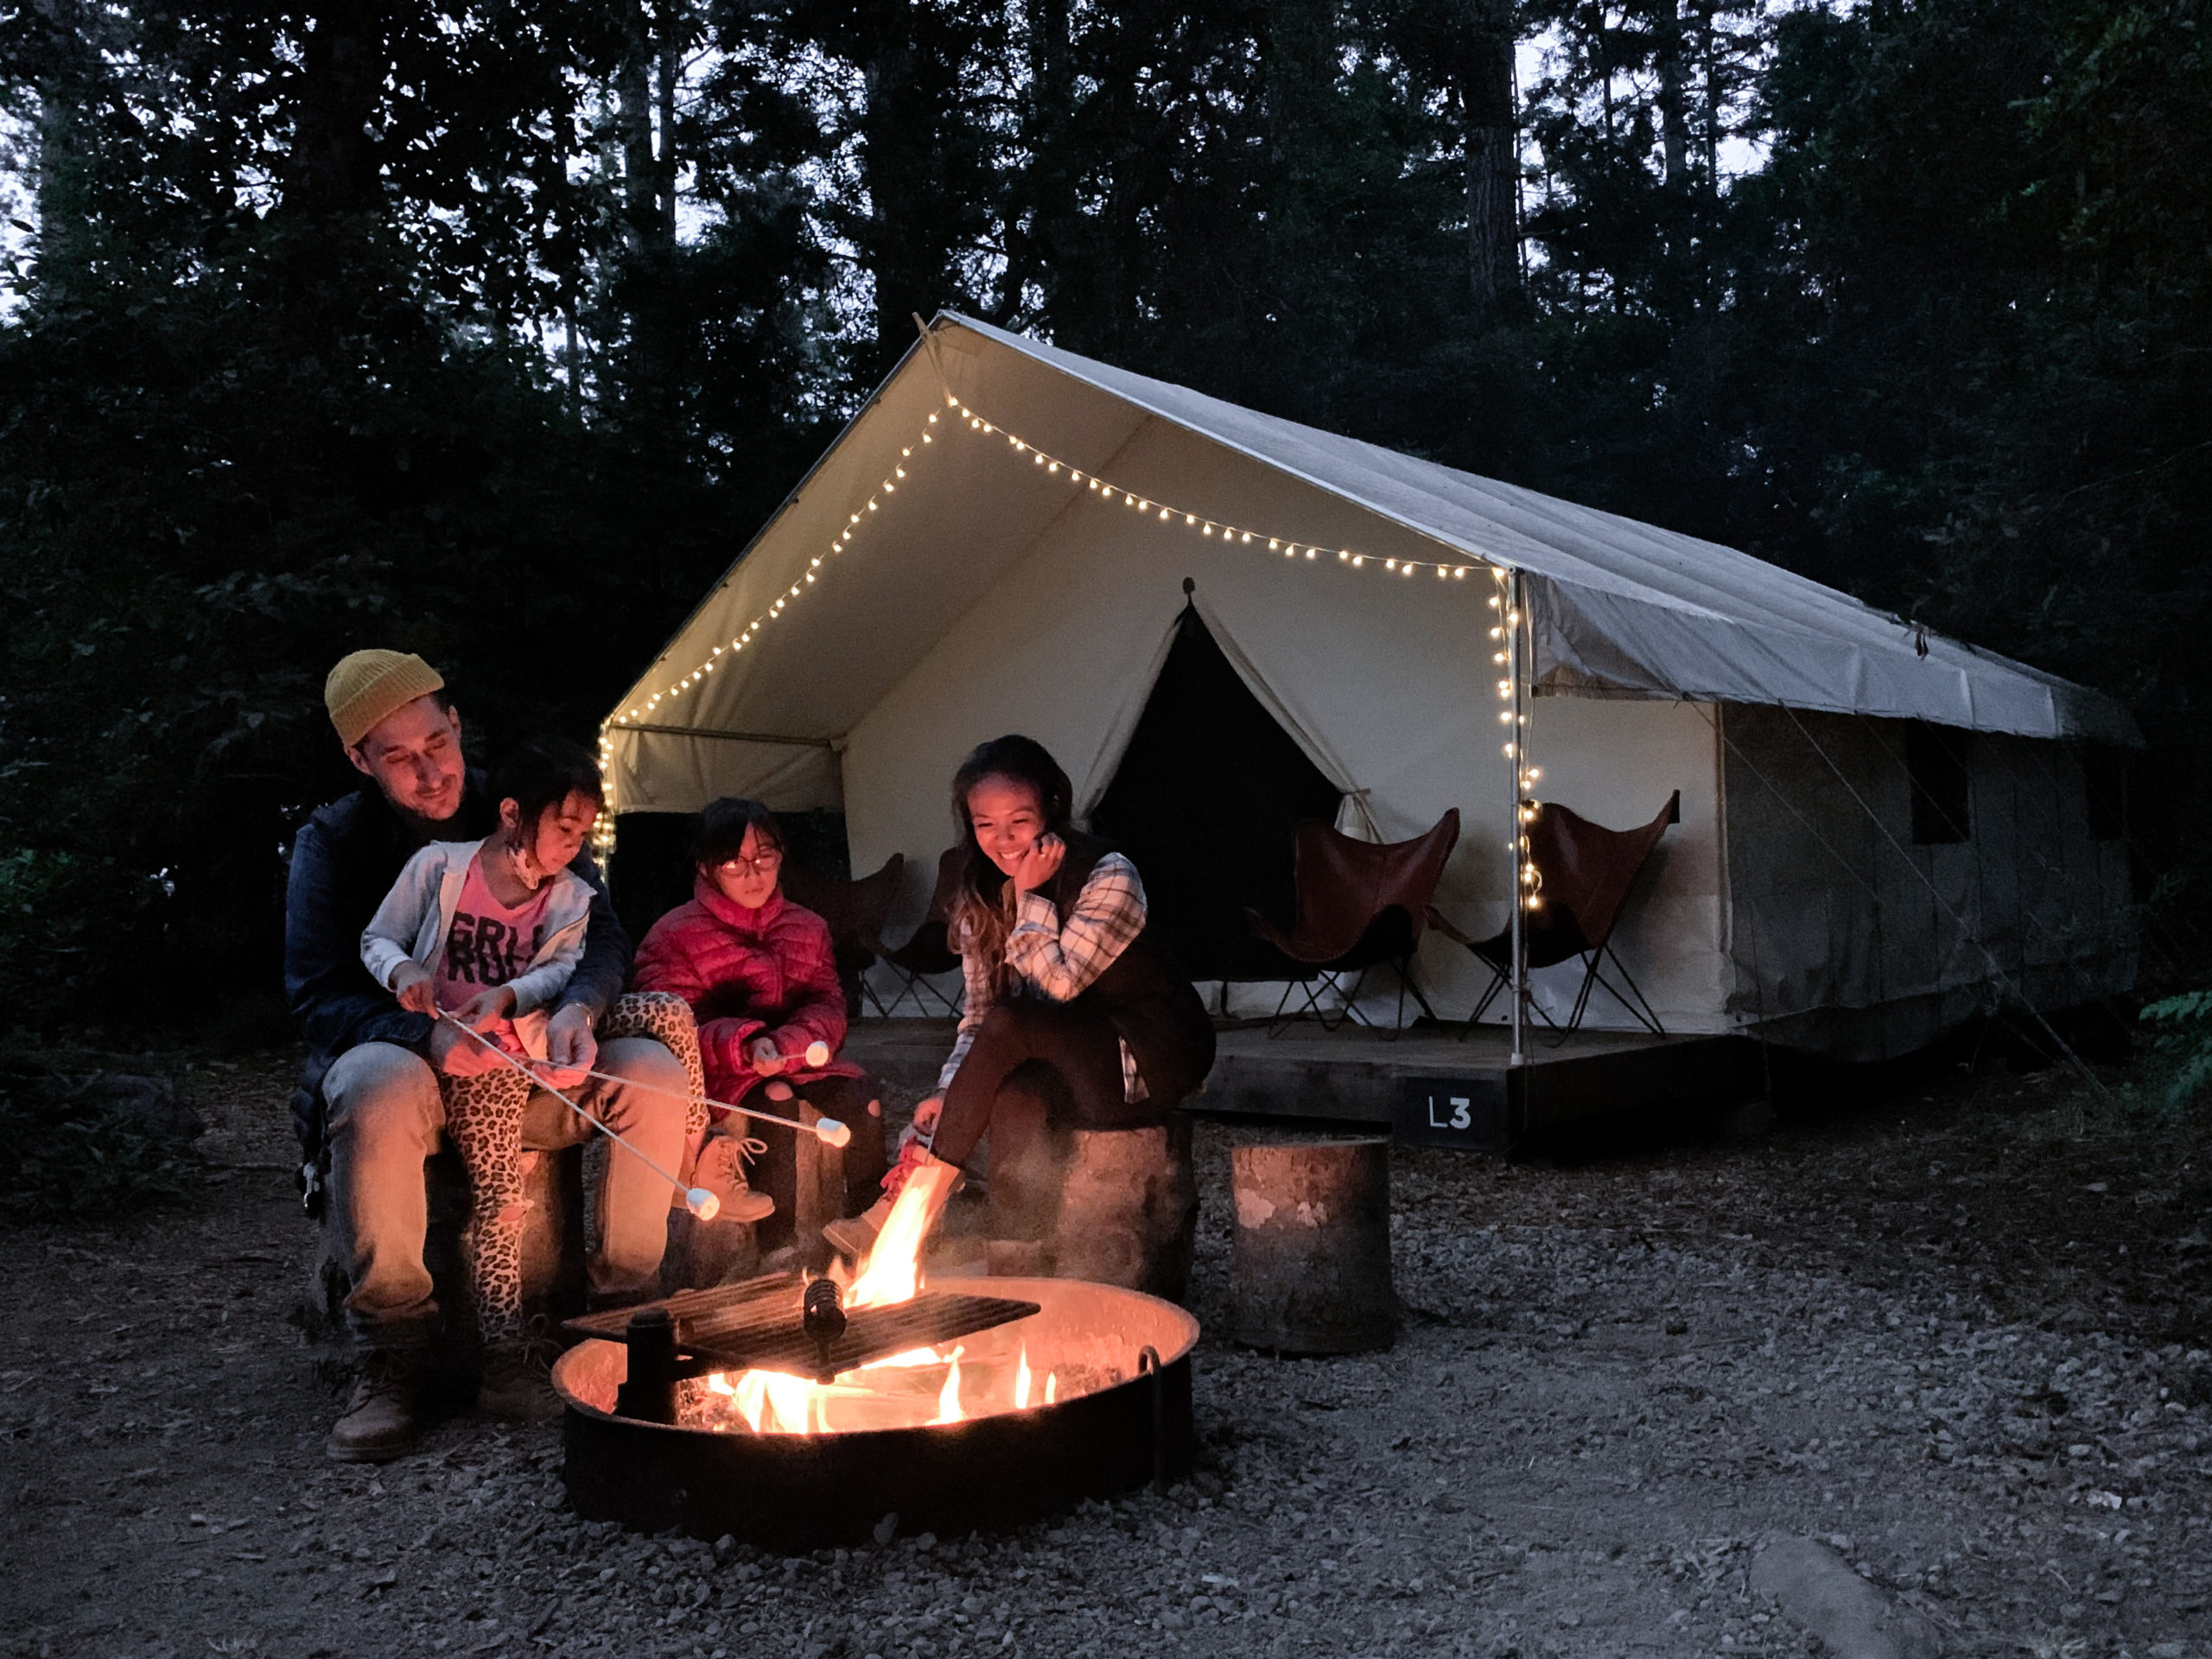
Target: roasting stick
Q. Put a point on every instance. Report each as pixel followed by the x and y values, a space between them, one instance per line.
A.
pixel 697 1199
pixel 828 1130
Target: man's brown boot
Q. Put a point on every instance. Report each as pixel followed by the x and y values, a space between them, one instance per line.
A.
pixel 383 1419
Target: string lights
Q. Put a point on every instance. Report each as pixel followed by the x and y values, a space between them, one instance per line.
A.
pixel 1105 491
pixel 1507 655
pixel 646 708
pixel 1109 493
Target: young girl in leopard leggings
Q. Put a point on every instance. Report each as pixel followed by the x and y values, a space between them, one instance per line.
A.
pixel 490 932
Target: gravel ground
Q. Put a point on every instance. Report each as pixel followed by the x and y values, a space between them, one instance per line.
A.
pixel 1957 1329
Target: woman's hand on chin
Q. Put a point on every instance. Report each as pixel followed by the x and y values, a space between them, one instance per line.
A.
pixel 1039 864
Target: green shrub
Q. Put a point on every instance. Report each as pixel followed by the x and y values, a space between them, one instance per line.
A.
pixel 2185 1024
pixel 64 1156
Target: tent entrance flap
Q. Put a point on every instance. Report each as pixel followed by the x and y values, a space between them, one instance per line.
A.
pixel 1203 803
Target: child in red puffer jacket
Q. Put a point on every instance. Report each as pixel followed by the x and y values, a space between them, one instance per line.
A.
pixel 761 977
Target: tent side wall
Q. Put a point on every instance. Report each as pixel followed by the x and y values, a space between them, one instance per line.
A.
pixel 1853 939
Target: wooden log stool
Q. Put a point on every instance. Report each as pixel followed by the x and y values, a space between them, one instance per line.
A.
pixel 700 1254
pixel 1117 1207
pixel 1310 1261
pixel 552 1263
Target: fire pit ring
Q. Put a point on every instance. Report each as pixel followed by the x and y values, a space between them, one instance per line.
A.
pixel 794 1492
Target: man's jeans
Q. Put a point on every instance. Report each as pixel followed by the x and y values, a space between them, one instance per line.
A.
pixel 386 1116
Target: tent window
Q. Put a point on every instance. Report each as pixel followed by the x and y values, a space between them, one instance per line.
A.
pixel 2104 780
pixel 1942 785
pixel 1203 803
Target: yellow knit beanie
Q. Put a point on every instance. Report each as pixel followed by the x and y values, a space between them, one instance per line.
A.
pixel 367 685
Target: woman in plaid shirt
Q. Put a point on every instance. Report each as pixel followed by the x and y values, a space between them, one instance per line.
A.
pixel 1075 1016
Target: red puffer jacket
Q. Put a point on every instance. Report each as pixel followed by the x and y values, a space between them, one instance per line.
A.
pixel 748 974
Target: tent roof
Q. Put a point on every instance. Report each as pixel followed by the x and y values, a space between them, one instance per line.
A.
pixel 1620 607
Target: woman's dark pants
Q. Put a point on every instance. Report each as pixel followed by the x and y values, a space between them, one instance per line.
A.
pixel 1035 1069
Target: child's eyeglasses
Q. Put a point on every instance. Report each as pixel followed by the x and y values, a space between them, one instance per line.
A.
pixel 766 864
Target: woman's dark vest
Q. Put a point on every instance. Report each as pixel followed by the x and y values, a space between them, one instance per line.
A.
pixel 1143 996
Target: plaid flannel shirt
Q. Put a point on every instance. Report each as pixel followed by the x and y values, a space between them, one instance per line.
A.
pixel 1056 960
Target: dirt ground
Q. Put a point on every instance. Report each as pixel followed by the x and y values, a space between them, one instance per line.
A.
pixel 1957 1329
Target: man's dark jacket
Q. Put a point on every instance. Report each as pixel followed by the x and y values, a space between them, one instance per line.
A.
pixel 344 861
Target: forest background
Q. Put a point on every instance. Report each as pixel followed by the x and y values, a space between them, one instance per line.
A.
pixel 495 330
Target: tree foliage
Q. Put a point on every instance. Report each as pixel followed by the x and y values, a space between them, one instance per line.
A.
pixel 494 331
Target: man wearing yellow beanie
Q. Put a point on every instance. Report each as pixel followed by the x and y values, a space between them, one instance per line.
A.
pixel 368 1110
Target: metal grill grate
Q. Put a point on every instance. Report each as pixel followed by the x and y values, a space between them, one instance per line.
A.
pixel 755 1326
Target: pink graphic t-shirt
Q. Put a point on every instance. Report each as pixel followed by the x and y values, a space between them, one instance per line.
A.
pixel 488 945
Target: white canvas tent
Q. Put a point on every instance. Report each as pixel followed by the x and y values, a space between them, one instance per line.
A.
pixel 952 569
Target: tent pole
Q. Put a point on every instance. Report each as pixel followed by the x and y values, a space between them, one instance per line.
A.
pixel 1517 747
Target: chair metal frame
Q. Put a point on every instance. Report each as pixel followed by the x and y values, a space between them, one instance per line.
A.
pixel 1496 952
pixel 1398 879
pixel 914 980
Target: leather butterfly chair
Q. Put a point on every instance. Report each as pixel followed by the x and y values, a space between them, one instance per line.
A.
pixel 928 950
pixel 1360 904
pixel 855 911
pixel 1586 872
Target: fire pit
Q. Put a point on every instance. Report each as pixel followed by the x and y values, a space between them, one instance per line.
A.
pixel 1030 1395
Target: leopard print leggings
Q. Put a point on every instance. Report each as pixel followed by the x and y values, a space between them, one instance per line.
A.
pixel 484 1118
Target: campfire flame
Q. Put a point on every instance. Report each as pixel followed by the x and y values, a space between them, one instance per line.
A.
pixel 894 1273
pixel 879 1394
pixel 948 1398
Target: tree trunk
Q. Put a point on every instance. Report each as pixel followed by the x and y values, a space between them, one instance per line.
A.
pixel 633 126
pixel 675 37
pixel 897 292
pixel 66 68
pixel 1493 160
pixel 334 168
pixel 1034 250
pixel 1672 63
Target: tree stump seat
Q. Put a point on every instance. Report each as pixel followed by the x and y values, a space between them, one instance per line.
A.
pixel 1310 1260
pixel 1114 1207
pixel 700 1254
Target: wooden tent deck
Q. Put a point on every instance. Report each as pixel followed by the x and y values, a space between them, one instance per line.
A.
pixel 1431 1088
